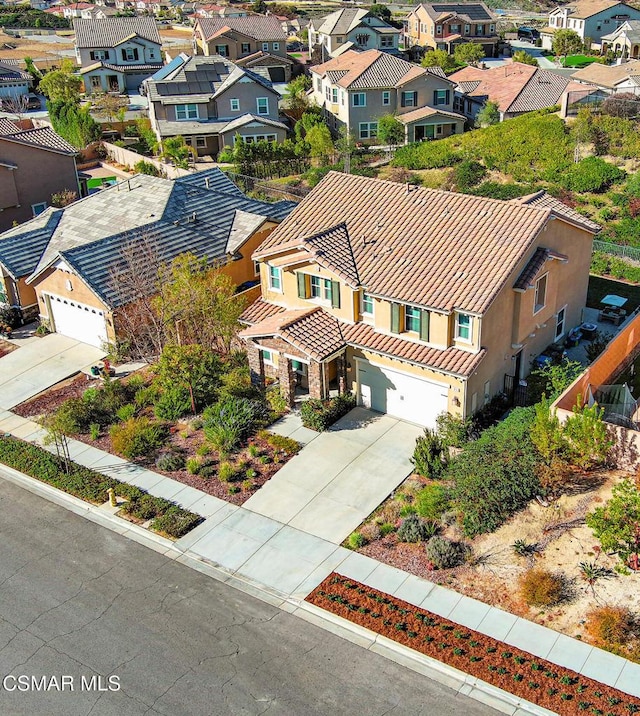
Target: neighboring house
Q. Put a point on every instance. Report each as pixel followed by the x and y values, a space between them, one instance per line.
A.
pixel 442 26
pixel 34 164
pixel 14 82
pixel 294 26
pixel 357 88
pixel 213 11
pixel 78 9
pixel 71 257
pixel 516 88
pixel 351 29
pixel 256 38
pixel 117 54
pixel 591 19
pixel 625 41
pixel 417 300
pixel 208 100
pixel 611 78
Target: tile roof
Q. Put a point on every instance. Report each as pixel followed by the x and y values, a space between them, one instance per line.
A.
pixel 332 249
pixel 435 249
pixel 515 87
pixel 319 335
pixel 40 137
pixel 263 58
pixel 542 200
pixel 340 22
pixel 133 69
pixel 586 8
pixel 22 246
pixel 259 27
pixel 530 271
pixel 369 69
pixel 111 31
pixel 11 73
pixel 423 112
pixel 607 75
pixel 629 29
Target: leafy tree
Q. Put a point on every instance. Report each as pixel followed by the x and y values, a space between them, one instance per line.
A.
pixel 109 105
pixel 320 141
pixel 617 523
pixel 489 114
pixel 469 53
pixel 175 149
pixel 593 174
pixel 566 42
pixel 553 379
pixel 525 58
pixel 390 130
pixel 62 85
pixel 438 58
pixel 193 367
pixel 587 434
pixel 73 122
pixel 310 117
pixel 259 6
pixel 380 11
pixel 295 98
pixel 63 198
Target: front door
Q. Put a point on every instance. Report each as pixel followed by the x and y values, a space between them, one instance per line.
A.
pixel 114 85
pixel 424 131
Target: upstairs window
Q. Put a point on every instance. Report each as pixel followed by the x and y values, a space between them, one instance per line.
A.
pixel 320 288
pixel 409 99
pixel 386 98
pixel 222 50
pixel 265 47
pixel 235 105
pixel 441 97
pixel 358 99
pixel 130 54
pixel 186 111
pixel 262 104
pixel 276 46
pixel 334 95
pixel 245 48
pixel 366 304
pixel 463 327
pixel 275 278
pixel 98 54
pixel 386 41
pixel 412 319
pixel 541 294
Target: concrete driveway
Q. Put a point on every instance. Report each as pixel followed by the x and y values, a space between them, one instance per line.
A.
pixel 39 364
pixel 341 476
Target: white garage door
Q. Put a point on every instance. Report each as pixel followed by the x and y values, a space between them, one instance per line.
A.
pixel 78 321
pixel 401 395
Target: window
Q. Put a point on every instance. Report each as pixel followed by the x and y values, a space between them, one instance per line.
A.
pixel 299 367
pixel 262 103
pixel 275 278
pixel 362 39
pixel 454 29
pixel 386 98
pixel 201 142
pixel 334 95
pixel 386 41
pixel 368 130
pixel 541 294
pixel 409 99
pixel 267 357
pixel 366 304
pixel 245 48
pixel 438 29
pixel 358 99
pixel 235 105
pixel 412 319
pixel 98 54
pixel 276 46
pixel 327 93
pixel 96 83
pixel 38 208
pixel 186 111
pixel 492 29
pixel 129 54
pixel 256 268
pixel 480 30
pixel 320 288
pixel 319 84
pixel 463 327
pixel 467 29
pixel 265 47
pixel 441 97
pixel 222 50
pixel 339 40
pixel 560 319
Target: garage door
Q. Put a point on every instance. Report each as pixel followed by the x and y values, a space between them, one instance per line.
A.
pixel 78 321
pixel 401 395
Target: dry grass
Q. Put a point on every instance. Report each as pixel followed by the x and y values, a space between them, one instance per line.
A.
pixel 541 588
pixel 27 47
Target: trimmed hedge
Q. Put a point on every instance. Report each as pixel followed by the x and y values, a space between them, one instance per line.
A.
pixel 92 487
pixel 321 414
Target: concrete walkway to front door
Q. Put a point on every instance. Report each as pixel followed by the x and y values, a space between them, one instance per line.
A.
pixel 340 477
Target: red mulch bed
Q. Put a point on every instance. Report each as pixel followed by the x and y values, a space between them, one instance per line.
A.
pixel 51 399
pixel 6 347
pixel 518 672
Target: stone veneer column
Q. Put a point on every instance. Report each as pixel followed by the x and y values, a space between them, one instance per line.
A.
pixel 341 366
pixel 287 378
pixel 256 364
pixel 318 388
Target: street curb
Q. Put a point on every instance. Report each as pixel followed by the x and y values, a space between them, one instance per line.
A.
pixel 444 674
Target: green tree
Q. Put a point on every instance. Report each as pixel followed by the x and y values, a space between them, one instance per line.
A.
pixel 311 116
pixel 193 367
pixel 546 432
pixel 566 42
pixel 552 379
pixel 109 105
pixel 469 53
pixel 320 141
pixel 35 73
pixel 62 85
pixel 259 6
pixel 438 58
pixel 588 437
pixel 617 523
pixel 380 11
pixel 390 130
pixel 295 98
pixel 73 122
pixel 175 149
pixel 489 114
pixel 525 58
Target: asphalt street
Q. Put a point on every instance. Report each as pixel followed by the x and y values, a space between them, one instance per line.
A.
pixel 80 602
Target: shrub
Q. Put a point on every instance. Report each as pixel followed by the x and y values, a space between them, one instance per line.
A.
pixel 226 472
pixel 193 465
pixel 280 443
pixel 387 528
pixel 137 437
pixel 428 455
pixel 321 414
pixel 414 529
pixel 276 401
pixel 453 430
pixel 541 588
pixel 148 395
pixel 609 626
pixel 176 522
pixel 170 462
pixel 356 540
pixel 432 501
pixel 495 190
pixel 125 412
pixel 444 553
pixel 173 403
pixel 94 431
pixel 232 420
pixel 467 174
pixel 593 174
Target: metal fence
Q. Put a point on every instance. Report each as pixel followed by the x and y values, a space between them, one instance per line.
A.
pixel 627 252
pixel 263 186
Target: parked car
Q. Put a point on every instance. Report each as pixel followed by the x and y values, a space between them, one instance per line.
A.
pixel 294 46
pixel 528 33
pixel 33 101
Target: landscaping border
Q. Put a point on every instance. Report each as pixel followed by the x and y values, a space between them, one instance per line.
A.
pixel 536 680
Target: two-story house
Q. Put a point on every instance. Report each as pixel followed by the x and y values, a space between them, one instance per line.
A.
pixel 625 41
pixel 14 82
pixel 213 11
pixel 442 26
pixel 351 29
pixel 209 100
pixel 117 54
pixel 417 300
pixel 355 89
pixel 257 42
pixel 591 19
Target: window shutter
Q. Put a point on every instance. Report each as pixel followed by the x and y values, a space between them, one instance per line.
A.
pixel 335 294
pixel 395 318
pixel 415 99
pixel 135 53
pixel 435 98
pixel 302 285
pixel 424 325
pixel 402 99
pixel 124 55
pixel 448 96
pixel 92 55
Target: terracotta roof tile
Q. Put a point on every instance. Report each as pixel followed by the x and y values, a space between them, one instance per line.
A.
pixel 332 249
pixel 260 310
pixel 433 248
pixel 542 200
pixel 318 334
pixel 536 262
pixel 259 27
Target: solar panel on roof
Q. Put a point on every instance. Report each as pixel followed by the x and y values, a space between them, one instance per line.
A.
pixel 474 12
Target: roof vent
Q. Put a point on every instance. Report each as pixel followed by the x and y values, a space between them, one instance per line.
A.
pixel 206 182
